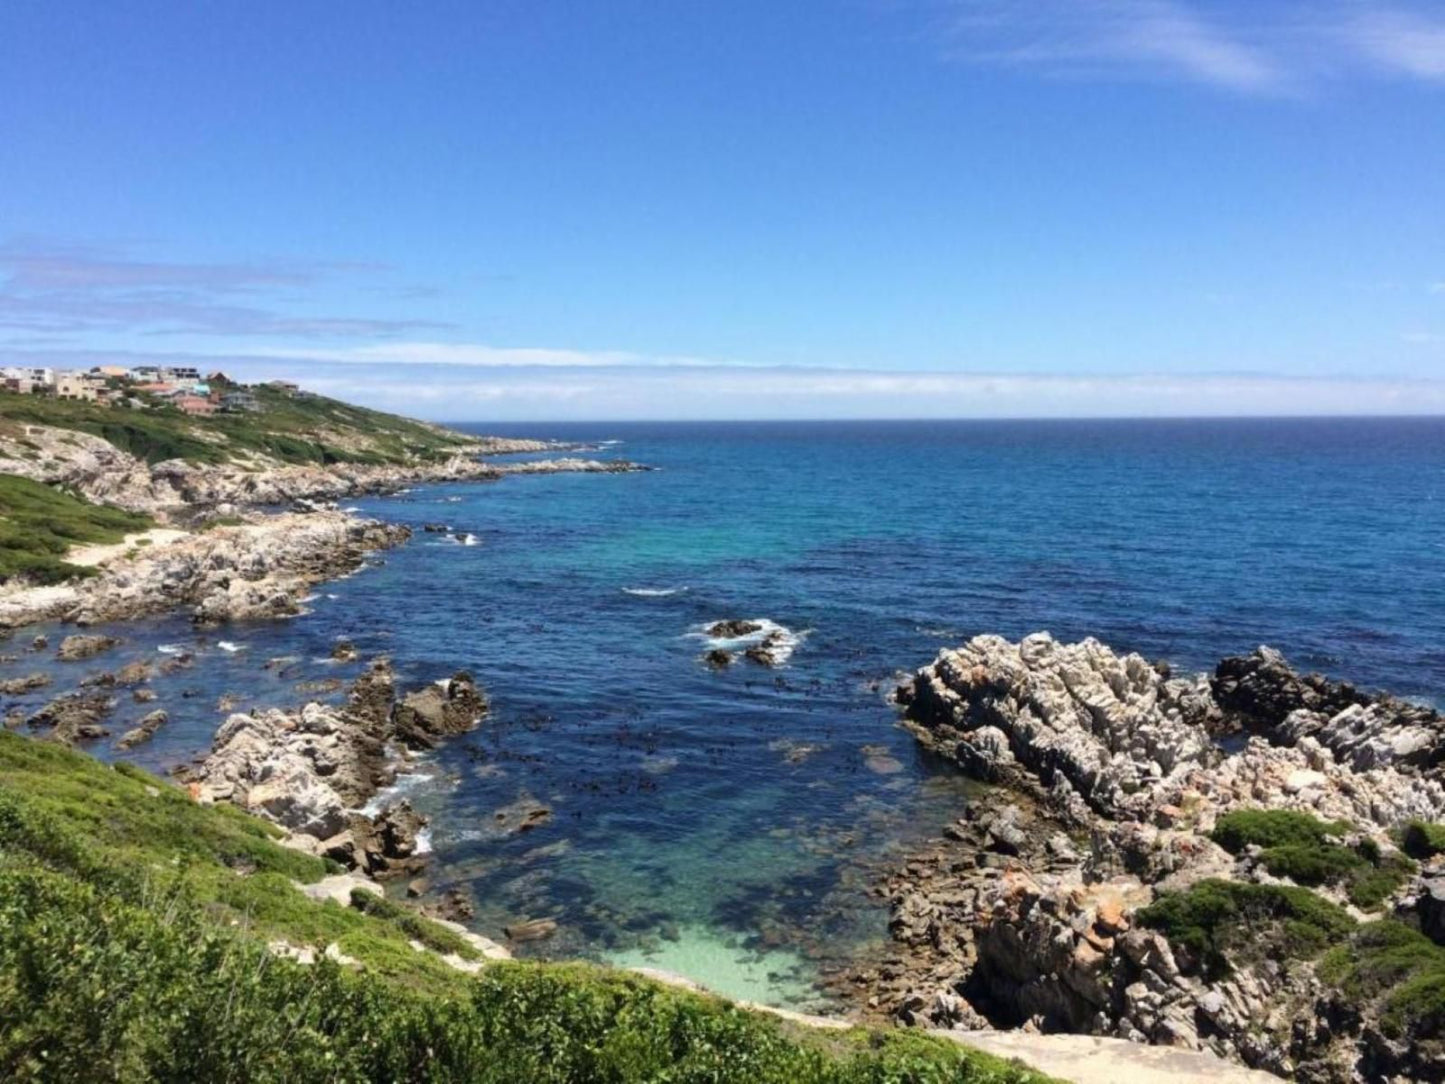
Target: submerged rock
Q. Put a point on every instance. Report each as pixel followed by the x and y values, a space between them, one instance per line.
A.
pixel 533 929
pixel 28 683
pixel 77 647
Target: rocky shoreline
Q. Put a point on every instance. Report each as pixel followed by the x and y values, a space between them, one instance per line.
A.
pixel 260 569
pixel 231 556
pixel 1121 879
pixel 178 491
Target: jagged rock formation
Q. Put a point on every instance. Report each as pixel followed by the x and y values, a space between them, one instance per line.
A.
pixel 311 770
pixel 1028 911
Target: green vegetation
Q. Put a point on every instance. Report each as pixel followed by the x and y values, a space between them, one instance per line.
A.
pixel 1422 840
pixel 1305 849
pixel 1396 965
pixel 39 523
pixel 1217 922
pixel 289 428
pixel 133 924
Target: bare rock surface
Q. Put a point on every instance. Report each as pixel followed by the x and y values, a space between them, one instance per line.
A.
pixel 143 731
pixel 74 717
pixel 1111 775
pixel 311 770
pixel 256 570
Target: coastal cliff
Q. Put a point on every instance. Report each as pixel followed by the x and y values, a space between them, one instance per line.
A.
pixel 1215 862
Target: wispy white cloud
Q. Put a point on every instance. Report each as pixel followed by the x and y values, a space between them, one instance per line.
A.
pixel 1280 47
pixel 484 356
pixel 1401 41
pixel 551 389
pixel 1140 37
pixel 52 287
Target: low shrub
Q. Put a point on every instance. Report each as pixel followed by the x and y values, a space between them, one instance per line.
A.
pixel 1422 840
pixel 1218 923
pixel 1397 965
pixel 1308 851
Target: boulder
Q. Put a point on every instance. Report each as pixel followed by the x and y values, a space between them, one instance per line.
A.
pixel 144 730
pixel 76 647
pixel 448 707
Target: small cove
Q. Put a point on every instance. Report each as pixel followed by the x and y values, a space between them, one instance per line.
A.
pixel 729 824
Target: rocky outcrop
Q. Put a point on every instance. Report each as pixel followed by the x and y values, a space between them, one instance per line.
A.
pixel 1261 694
pixel 572 465
pixel 438 711
pixel 258 570
pixel 761 641
pixel 1027 912
pixel 311 770
pixel 73 717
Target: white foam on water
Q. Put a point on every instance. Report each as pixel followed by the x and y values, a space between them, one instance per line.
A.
pixel 171 649
pixel 406 782
pixel 351 508
pixel 654 592
pixel 787 642
pixel 231 646
pixel 423 841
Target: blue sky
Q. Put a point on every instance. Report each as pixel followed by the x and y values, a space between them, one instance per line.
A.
pixel 532 210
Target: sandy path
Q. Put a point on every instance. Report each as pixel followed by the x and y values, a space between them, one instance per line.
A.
pixel 91 556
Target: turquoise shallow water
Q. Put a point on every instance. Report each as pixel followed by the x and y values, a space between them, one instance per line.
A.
pixel 727 824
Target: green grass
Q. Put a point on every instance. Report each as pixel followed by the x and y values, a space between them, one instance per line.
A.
pixel 1399 968
pixel 39 524
pixel 291 429
pixel 132 929
pixel 1305 849
pixel 1221 924
pixel 1422 840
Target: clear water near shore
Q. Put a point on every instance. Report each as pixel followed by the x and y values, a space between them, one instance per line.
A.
pixel 727 824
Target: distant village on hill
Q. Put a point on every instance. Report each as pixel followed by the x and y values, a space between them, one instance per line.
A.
pixel 141 388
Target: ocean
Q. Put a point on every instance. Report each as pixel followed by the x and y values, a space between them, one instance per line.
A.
pixel 728 824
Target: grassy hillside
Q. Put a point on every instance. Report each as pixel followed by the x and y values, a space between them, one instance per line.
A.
pixel 133 925
pixel 39 523
pixel 291 429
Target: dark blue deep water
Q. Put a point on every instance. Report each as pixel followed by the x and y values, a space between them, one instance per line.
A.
pixel 727 824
